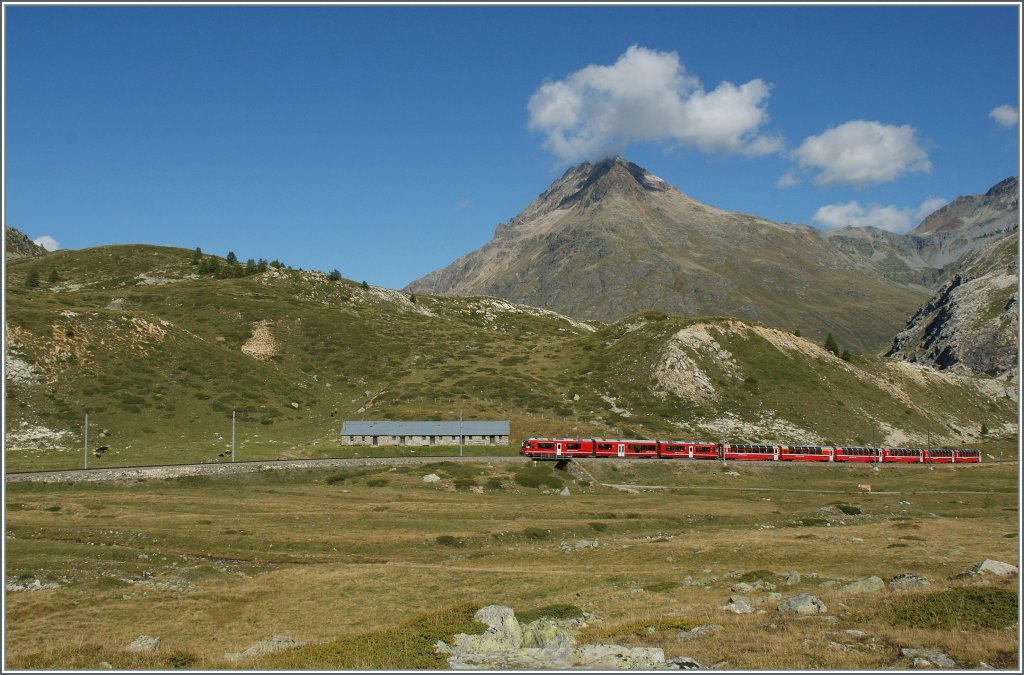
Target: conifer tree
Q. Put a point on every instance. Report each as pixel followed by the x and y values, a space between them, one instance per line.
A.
pixel 232 258
pixel 53 276
pixel 831 345
pixel 32 278
pixel 197 256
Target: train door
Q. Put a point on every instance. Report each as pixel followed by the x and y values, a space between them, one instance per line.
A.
pixel 775 453
pixel 558 449
pixel 621 448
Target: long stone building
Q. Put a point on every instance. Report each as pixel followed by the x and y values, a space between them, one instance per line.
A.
pixel 429 432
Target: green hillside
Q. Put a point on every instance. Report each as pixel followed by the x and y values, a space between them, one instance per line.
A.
pixel 159 355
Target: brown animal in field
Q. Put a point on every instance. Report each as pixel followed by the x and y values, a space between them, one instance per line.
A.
pixel 864 488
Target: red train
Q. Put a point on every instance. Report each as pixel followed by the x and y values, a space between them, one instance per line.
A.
pixel 568 448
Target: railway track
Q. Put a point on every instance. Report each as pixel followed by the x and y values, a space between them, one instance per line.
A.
pixel 128 473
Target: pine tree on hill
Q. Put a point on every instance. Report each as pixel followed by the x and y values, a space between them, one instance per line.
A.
pixel 831 345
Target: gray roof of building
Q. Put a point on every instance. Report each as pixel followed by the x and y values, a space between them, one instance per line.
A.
pixel 425 428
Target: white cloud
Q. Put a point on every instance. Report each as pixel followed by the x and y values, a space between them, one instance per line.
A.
pixel 647 95
pixel 891 218
pixel 787 180
pixel 1006 115
pixel 862 152
pixel 47 242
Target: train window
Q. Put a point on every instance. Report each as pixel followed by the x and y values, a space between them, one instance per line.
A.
pixel 604 446
pixel 572 446
pixel 545 446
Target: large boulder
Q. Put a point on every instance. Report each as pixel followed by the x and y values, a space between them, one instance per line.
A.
pixel 805 603
pixel 995 567
pixel 144 643
pixel 539 645
pixel 618 657
pixel 275 644
pixel 737 605
pixel 868 585
pixel 503 632
pixel 927 658
pixel 697 631
pixel 545 633
pixel 904 582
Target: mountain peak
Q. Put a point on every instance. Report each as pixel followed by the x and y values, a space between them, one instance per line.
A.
pixel 995 211
pixel 624 173
pixel 587 184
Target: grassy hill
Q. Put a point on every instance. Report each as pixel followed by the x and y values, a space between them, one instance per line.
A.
pixel 159 356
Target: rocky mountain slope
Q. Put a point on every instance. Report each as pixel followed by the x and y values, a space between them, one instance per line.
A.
pixel 972 322
pixel 159 355
pixel 609 239
pixel 17 245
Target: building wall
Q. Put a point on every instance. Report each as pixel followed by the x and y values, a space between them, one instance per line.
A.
pixel 424 440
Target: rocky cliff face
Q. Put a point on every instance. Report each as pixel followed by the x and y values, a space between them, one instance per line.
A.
pixel 970 324
pixel 609 239
pixel 17 245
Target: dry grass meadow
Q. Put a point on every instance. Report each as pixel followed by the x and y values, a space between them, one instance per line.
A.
pixel 369 567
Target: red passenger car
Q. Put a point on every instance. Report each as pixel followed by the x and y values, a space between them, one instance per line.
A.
pixel 749 452
pixel 939 456
pixel 625 449
pixel 902 455
pixel 557 448
pixel 805 453
pixel 857 454
pixel 964 455
pixel 687 450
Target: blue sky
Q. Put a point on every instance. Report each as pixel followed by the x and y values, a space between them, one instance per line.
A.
pixel 386 142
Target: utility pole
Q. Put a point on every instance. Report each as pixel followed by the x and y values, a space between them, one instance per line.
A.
pixel 232 436
pixel 722 451
pixel 85 450
pixel 460 432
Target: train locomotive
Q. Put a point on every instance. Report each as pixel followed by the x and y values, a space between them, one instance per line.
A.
pixel 569 448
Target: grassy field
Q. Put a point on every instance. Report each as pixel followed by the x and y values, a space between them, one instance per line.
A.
pixel 371 566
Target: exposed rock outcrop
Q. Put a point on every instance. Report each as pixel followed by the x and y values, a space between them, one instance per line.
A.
pixel 540 645
pixel 970 325
pixel 144 643
pixel 275 644
pixel 995 568
pixel 805 603
pixel 18 246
